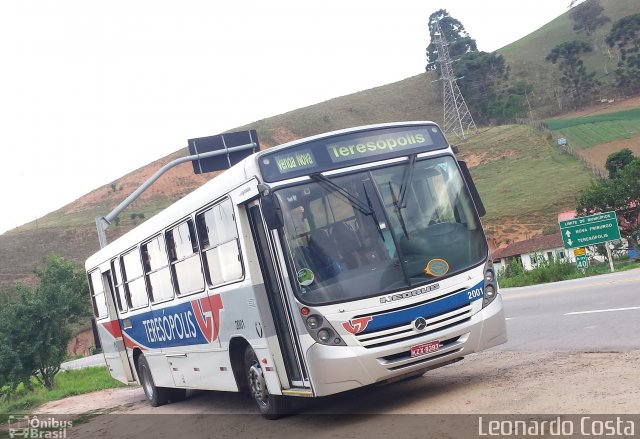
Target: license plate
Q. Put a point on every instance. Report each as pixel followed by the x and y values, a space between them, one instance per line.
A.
pixel 425 348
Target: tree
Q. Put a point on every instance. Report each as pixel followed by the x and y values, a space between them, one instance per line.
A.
pixel 587 16
pixel 617 161
pixel 454 32
pixel 483 75
pixel 620 194
pixel 625 34
pixel 34 327
pixel 577 83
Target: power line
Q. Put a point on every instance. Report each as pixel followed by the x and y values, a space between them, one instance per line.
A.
pixel 457 118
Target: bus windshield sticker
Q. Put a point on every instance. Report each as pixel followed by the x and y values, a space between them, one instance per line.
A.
pixel 376 144
pixel 436 267
pixel 305 277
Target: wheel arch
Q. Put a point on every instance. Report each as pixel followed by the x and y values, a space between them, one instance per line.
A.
pixel 237 347
pixel 137 352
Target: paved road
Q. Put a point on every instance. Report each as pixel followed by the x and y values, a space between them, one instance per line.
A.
pixel 592 314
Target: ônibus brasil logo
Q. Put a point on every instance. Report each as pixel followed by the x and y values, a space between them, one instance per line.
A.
pixel 356 326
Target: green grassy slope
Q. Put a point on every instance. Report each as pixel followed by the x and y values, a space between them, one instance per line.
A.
pixel 585 132
pixel 526 56
pixel 524 181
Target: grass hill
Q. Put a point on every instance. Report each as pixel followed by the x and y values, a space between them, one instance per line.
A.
pixel 594 137
pixel 526 58
pixel 524 180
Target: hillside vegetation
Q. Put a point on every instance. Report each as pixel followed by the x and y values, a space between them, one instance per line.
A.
pixel 526 58
pixel 524 180
pixel 594 137
pixel 585 132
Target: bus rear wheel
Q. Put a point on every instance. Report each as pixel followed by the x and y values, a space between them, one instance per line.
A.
pixel 270 406
pixel 157 396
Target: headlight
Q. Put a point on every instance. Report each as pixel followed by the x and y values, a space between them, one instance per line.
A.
pixel 313 322
pixel 490 284
pixel 324 335
pixel 320 329
pixel 489 276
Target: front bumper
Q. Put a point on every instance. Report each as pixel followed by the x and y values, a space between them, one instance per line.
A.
pixel 335 369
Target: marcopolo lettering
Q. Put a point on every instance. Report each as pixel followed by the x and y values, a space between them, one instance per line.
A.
pixel 409 294
pixel 170 327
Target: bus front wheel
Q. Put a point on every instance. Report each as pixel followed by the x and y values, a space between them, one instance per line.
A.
pixel 157 396
pixel 270 406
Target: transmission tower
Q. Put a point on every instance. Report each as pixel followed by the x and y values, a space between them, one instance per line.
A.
pixel 457 118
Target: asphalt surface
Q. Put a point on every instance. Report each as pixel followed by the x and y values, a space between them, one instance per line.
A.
pixel 592 314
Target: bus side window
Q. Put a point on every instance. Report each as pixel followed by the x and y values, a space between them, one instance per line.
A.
pixel 97 294
pixel 156 269
pixel 132 275
pixel 121 300
pixel 219 243
pixel 186 270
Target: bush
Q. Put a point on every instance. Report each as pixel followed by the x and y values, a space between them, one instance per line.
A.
pixel 546 271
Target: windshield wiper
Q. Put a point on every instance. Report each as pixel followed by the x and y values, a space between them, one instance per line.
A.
pixel 401 202
pixel 406 181
pixel 373 212
pixel 397 208
pixel 355 202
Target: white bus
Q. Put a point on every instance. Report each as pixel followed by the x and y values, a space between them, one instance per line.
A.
pixel 319 266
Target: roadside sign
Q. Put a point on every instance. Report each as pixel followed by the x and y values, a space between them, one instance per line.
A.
pixel 219 143
pixel 581 257
pixel 590 230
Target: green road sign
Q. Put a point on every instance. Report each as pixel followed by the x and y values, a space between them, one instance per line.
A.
pixel 590 230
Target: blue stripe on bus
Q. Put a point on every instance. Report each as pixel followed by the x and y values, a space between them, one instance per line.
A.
pixel 427 310
pixel 168 327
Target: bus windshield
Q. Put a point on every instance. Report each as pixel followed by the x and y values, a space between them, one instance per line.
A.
pixel 376 231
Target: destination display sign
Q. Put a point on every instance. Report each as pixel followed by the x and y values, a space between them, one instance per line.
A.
pixel 590 230
pixel 350 149
pixel 374 145
pixel 294 161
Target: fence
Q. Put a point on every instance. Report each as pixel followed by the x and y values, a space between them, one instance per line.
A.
pixel 542 127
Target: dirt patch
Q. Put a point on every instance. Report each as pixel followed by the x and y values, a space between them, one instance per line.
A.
pixel 475 159
pixel 81 343
pixel 506 230
pixel 599 153
pixel 603 107
pixel 174 183
pixel 282 135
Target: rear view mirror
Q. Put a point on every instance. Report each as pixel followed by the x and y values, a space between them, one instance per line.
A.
pixel 472 189
pixel 271 211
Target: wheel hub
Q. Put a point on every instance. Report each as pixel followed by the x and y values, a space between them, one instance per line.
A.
pixel 146 383
pixel 257 384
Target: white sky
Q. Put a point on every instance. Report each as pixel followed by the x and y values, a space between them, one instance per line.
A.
pixel 90 91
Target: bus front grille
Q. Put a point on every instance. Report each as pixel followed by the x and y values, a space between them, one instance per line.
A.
pixel 407 331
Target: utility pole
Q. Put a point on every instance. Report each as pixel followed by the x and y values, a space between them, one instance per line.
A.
pixel 457 118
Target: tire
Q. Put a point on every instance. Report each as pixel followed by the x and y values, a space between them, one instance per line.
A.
pixel 270 406
pixel 157 396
